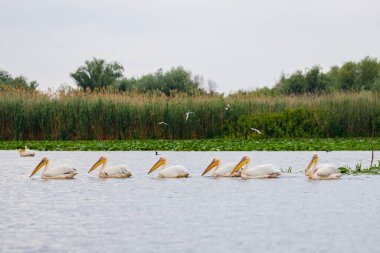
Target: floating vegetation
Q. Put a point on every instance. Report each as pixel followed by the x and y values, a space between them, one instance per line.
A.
pixel 360 170
pixel 327 145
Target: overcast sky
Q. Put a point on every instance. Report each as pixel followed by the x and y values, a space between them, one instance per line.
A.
pixel 238 44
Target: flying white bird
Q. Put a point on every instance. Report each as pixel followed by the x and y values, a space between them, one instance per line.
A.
pixel 256 130
pixel 163 123
pixel 187 115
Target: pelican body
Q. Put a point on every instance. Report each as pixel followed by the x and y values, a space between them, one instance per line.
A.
pixel 176 171
pixel 256 172
pixel 321 171
pixel 223 171
pixel 59 172
pixel 118 171
pixel 25 152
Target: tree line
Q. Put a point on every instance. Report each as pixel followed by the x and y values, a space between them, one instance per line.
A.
pixel 98 74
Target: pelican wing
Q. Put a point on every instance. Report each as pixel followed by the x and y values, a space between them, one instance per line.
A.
pixel 325 170
pixel 261 170
pixel 116 170
pixel 174 171
pixel 60 170
pixel 224 170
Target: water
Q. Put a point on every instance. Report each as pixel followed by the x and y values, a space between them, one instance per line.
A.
pixel 197 214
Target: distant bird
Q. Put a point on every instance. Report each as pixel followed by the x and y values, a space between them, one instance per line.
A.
pixel 163 123
pixel 228 107
pixel 256 130
pixel 25 152
pixel 157 153
pixel 188 114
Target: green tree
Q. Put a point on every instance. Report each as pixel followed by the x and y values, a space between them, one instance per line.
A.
pixel 97 73
pixel 20 82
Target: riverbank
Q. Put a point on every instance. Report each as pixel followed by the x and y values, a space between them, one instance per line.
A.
pixel 323 144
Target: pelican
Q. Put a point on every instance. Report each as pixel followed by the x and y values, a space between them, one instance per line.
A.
pixel 117 171
pixel 59 172
pixel 258 171
pixel 25 152
pixel 169 172
pixel 321 171
pixel 224 171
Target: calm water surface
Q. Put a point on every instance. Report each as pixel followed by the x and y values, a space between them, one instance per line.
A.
pixel 198 214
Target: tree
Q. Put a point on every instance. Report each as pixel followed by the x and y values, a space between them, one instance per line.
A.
pixel 19 82
pixel 97 73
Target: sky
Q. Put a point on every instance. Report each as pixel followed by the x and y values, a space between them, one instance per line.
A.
pixel 238 44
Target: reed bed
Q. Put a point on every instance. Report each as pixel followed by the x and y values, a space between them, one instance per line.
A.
pixel 26 115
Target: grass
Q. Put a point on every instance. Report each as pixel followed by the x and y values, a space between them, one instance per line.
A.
pixel 304 144
pixel 26 115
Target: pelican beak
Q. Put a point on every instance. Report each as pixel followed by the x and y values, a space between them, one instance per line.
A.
pixel 313 161
pixel 98 163
pixel 240 165
pixel 158 164
pixel 39 166
pixel 213 164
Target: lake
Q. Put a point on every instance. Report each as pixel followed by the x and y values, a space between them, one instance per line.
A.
pixel 197 214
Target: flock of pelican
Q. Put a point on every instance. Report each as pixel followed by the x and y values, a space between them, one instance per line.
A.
pixel 242 169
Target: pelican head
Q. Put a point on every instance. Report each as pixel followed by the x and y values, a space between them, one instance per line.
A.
pixel 99 162
pixel 43 163
pixel 244 161
pixel 312 162
pixel 159 163
pixel 215 162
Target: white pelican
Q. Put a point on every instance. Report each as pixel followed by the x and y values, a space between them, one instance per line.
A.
pixel 24 152
pixel 224 171
pixel 59 172
pixel 321 171
pixel 258 171
pixel 169 172
pixel 117 171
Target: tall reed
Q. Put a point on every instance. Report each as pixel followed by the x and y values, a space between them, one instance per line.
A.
pixel 26 115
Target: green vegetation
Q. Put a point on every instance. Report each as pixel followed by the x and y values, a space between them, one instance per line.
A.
pixel 19 82
pixel 81 115
pixel 199 145
pixel 97 74
pixel 360 170
pixel 351 76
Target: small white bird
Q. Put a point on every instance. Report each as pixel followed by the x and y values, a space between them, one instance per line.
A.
pixel 228 107
pixel 163 123
pixel 256 130
pixel 188 114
